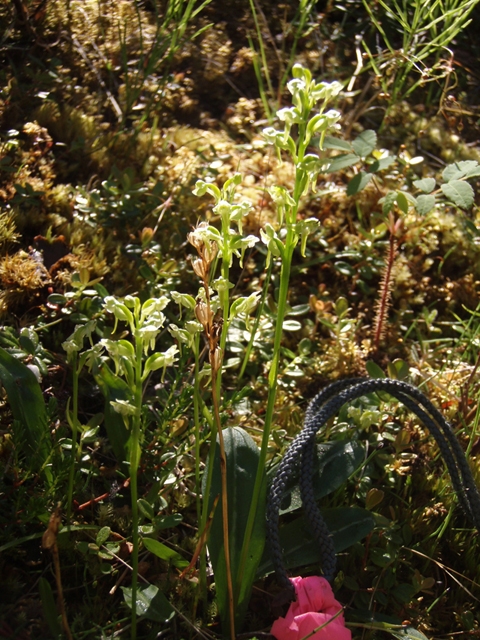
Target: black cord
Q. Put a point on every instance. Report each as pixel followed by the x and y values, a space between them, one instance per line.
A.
pixel 300 455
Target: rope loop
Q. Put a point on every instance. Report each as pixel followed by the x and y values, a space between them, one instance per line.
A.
pixel 300 456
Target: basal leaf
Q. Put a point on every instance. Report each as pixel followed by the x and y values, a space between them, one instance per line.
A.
pixel 427 185
pixel 334 463
pixel 28 408
pixel 150 603
pixel 114 389
pixel 365 143
pixel 242 460
pixel 459 192
pixel 347 525
pixel 49 608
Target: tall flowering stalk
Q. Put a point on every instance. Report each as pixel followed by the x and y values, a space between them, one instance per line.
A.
pixel 307 96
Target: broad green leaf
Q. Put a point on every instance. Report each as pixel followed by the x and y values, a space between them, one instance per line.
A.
pixel 459 192
pixel 427 185
pixel 334 463
pixel 26 401
pixel 342 162
pixel 425 204
pixel 365 143
pixel 336 143
pixel 459 170
pixel 114 389
pixel 150 603
pixel 165 553
pixel 49 608
pixel 242 460
pixel 358 182
pixel 347 525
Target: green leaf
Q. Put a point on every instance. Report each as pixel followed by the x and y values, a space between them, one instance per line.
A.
pixel 342 162
pixel 365 143
pixel 425 204
pixel 358 182
pixel 427 185
pixel 459 192
pixel 165 553
pixel 145 508
pixel 242 461
pixel 347 525
pixel 334 463
pixel 407 633
pixel 388 201
pixel 373 370
pixel 460 170
pixel 26 401
pixel 381 164
pixel 102 536
pixel 114 389
pixel 150 603
pixel 402 202
pixel 49 608
pixel 336 143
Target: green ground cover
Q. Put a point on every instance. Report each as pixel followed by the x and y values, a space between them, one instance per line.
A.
pixel 209 212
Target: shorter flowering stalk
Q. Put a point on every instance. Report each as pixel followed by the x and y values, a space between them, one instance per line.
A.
pixel 131 362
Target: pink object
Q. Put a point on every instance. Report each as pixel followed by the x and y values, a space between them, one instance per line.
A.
pixel 315 605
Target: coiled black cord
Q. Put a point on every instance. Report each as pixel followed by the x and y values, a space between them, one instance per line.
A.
pixel 300 455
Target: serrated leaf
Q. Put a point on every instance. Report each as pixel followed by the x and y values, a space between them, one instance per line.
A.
pixel 365 143
pixel 381 164
pixel 425 204
pixel 427 185
pixel 459 169
pixel 150 603
pixel 338 144
pixel 358 182
pixel 342 162
pixel 459 192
